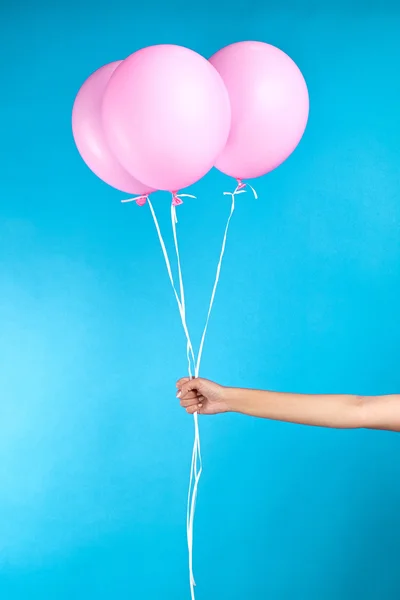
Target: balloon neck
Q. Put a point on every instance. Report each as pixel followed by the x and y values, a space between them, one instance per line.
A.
pixel 240 184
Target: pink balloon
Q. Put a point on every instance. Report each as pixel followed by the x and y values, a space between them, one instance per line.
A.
pixel 166 115
pixel 89 136
pixel 269 103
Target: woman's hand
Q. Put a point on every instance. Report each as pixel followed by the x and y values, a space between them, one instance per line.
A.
pixel 202 396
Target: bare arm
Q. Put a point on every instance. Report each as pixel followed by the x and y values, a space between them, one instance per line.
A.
pixel 337 411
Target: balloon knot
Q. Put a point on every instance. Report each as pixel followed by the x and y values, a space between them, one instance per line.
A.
pixel 176 200
pixel 242 188
pixel 140 200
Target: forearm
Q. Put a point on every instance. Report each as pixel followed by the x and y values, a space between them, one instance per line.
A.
pixel 337 411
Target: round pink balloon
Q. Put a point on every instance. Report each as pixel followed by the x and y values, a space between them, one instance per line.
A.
pixel 89 136
pixel 269 103
pixel 166 115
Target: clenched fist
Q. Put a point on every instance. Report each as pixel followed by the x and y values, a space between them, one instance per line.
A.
pixel 202 396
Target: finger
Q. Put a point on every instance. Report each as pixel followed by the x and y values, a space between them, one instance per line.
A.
pixel 190 402
pixel 189 396
pixel 190 386
pixel 181 381
pixel 193 409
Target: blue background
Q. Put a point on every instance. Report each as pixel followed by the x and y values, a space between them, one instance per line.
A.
pixel 94 451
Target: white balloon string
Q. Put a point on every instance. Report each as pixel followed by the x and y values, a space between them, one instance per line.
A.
pixel 174 221
pixel 214 291
pixel 196 462
pixel 196 466
pixel 181 305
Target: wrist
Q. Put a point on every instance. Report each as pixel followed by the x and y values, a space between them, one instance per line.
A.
pixel 231 400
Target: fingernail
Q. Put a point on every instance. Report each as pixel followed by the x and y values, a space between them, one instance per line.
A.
pixel 200 405
pixel 179 394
